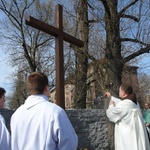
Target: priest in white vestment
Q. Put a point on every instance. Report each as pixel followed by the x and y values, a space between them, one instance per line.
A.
pixel 130 131
pixel 39 124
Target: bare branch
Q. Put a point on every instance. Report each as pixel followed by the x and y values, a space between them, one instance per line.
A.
pixel 132 40
pixel 130 17
pixel 127 6
pixel 137 53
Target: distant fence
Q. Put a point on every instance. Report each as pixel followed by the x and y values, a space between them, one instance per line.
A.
pixel 89 124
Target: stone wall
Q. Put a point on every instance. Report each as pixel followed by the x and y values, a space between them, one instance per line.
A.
pixel 89 124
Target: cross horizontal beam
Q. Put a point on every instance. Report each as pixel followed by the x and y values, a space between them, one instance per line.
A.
pixel 31 21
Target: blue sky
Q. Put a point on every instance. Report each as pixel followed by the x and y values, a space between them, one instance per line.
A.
pixel 6 72
pixel 144 64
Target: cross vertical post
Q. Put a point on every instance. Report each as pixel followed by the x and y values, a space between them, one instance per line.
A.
pixel 60 36
pixel 59 62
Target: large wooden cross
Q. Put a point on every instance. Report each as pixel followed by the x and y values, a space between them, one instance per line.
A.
pixel 60 36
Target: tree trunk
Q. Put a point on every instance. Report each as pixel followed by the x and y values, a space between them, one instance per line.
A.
pixel 112 68
pixel 112 80
pixel 82 57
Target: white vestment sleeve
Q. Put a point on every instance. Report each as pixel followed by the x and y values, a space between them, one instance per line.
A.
pixel 4 137
pixel 117 112
pixel 116 100
pixel 67 138
pixel 2 119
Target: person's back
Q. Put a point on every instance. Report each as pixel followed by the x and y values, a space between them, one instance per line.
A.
pixel 41 125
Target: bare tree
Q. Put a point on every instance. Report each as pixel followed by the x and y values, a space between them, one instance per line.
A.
pixel 30 50
pixel 82 56
pixel 20 91
pixel 144 85
pixel 25 44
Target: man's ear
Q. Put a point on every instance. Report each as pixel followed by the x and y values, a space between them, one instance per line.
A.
pixel 47 88
pixel 124 95
pixel 47 91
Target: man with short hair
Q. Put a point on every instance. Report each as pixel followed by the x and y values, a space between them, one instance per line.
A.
pixel 39 124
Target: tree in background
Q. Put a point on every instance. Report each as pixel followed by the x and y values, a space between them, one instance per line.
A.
pixel 20 91
pixel 26 44
pixel 82 56
pixel 144 85
pixel 30 50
